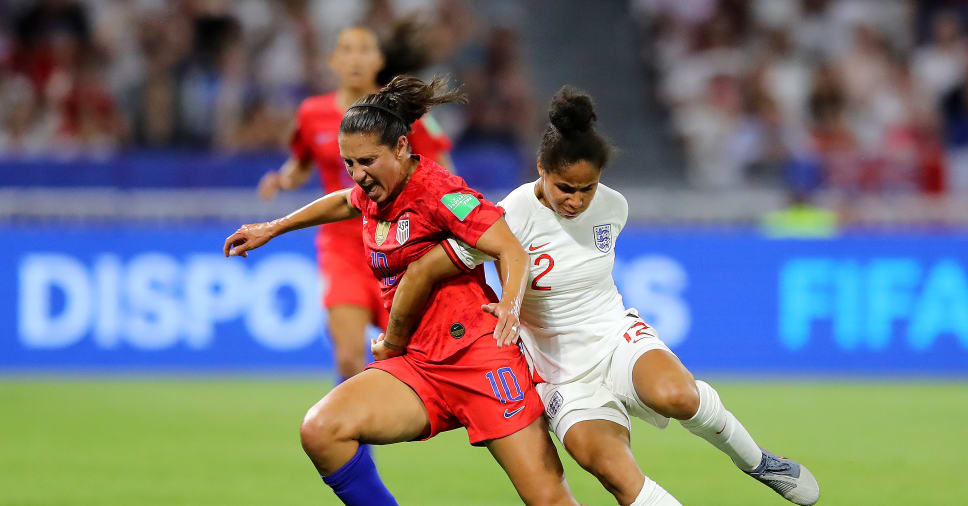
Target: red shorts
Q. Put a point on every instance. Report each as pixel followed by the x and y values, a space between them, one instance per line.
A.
pixel 349 280
pixel 482 387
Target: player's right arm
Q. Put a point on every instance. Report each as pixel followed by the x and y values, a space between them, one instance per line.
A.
pixel 336 206
pixel 292 175
pixel 298 168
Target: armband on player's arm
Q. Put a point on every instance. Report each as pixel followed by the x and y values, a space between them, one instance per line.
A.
pixel 465 256
pixel 414 290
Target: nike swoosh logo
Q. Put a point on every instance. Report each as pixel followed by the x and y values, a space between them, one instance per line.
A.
pixel 535 248
pixel 509 414
pixel 724 427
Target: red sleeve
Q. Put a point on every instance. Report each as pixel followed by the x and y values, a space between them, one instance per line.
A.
pixel 359 199
pixel 298 146
pixel 427 139
pixel 464 212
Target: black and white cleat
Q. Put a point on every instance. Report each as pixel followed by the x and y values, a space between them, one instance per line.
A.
pixel 788 478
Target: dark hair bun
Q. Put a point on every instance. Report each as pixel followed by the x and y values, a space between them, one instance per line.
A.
pixel 571 136
pixel 572 111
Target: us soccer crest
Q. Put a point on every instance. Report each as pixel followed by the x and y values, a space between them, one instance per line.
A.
pixel 403 231
pixel 382 231
pixel 603 237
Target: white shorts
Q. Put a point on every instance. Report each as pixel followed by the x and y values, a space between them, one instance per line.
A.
pixel 606 392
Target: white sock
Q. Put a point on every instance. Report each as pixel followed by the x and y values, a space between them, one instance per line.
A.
pixel 654 495
pixel 718 426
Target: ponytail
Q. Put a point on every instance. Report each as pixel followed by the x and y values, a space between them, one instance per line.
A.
pixel 400 103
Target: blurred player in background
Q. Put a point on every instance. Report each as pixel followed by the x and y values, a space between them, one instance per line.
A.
pixel 449 376
pixel 352 296
pixel 595 362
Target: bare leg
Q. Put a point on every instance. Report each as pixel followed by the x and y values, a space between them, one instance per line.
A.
pixel 665 385
pixel 347 328
pixel 602 448
pixel 529 458
pixel 371 407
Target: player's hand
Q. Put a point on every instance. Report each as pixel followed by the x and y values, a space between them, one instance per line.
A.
pixel 380 351
pixel 247 237
pixel 269 185
pixel 508 328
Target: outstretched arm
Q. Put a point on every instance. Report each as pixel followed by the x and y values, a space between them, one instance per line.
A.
pixel 335 206
pixel 409 300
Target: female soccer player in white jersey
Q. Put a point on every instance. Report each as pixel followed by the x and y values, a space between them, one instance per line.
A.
pixel 595 362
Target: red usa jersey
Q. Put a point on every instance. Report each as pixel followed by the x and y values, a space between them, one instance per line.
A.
pixel 432 206
pixel 316 139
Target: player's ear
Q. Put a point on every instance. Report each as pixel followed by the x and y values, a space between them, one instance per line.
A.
pixel 401 149
pixel 541 169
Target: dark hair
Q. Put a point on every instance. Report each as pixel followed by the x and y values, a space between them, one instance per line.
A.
pixel 570 135
pixel 405 50
pixel 396 106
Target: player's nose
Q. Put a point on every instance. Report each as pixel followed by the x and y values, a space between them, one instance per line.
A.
pixel 357 175
pixel 575 202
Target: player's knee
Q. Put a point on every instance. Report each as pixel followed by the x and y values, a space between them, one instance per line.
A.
pixel 548 494
pixel 348 363
pixel 676 399
pixel 322 427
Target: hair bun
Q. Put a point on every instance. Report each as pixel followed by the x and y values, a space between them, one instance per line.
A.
pixel 572 111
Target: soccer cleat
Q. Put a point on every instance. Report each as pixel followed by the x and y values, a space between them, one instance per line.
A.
pixel 788 478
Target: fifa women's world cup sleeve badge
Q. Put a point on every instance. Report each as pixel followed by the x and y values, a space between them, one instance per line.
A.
pixel 603 237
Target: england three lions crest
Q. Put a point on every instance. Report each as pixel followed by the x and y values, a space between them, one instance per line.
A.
pixel 603 238
pixel 403 231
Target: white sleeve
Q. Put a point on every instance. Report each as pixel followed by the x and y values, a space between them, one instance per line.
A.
pixel 467 254
pixel 624 217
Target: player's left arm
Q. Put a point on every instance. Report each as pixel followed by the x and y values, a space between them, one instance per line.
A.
pixel 512 261
pixel 410 299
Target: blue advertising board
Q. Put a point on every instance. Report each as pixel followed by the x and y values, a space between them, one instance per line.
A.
pixel 153 298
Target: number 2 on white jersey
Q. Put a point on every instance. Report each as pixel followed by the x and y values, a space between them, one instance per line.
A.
pixel 551 264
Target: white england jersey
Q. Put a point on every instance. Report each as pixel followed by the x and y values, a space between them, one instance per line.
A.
pixel 571 309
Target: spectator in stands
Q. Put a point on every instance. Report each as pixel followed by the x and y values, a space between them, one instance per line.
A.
pixel 940 64
pixel 153 102
pixel 500 115
pixel 23 129
pixel 88 119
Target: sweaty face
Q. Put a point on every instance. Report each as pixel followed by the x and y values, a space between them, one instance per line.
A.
pixel 379 170
pixel 357 58
pixel 570 190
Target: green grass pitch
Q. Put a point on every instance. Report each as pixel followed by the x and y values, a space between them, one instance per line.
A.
pixel 201 441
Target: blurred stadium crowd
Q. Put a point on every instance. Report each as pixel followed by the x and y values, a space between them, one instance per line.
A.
pixel 94 76
pixel 858 96
pixel 850 103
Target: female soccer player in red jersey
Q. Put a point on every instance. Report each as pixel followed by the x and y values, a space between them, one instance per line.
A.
pixel 452 375
pixel 600 362
pixel 352 296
